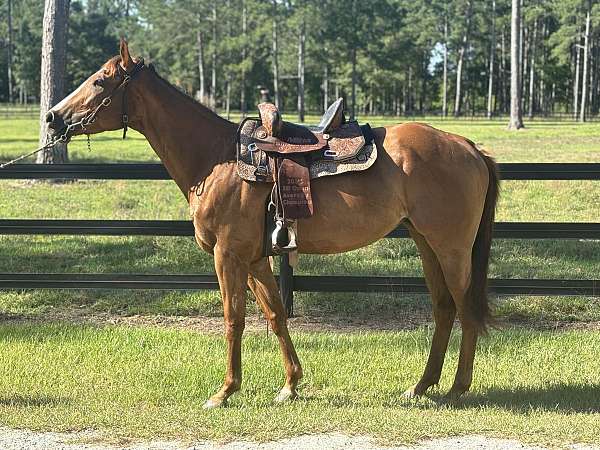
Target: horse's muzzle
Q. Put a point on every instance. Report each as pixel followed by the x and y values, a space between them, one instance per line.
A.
pixel 55 121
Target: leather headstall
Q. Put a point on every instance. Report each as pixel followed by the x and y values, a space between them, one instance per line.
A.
pixel 127 77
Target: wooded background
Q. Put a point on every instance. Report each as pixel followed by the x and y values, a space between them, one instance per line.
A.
pixel 393 56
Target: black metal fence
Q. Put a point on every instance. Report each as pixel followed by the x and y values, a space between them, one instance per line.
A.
pixel 288 282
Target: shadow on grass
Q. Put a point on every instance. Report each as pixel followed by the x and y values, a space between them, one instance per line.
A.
pixel 20 400
pixel 561 397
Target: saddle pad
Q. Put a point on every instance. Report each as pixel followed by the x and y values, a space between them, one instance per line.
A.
pixel 258 166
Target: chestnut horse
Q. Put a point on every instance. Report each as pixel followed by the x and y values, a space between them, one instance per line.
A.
pixel 440 185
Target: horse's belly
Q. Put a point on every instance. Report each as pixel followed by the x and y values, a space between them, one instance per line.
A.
pixel 351 211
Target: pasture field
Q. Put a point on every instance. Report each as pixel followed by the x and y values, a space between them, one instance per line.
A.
pixel 148 382
pixel 531 383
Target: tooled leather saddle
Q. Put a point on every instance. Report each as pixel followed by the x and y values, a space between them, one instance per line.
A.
pixel 289 155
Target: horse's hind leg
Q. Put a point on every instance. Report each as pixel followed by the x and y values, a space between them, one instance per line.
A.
pixel 444 313
pixel 456 266
pixel 262 283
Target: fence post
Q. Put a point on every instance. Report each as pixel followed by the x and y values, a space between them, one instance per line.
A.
pixel 286 284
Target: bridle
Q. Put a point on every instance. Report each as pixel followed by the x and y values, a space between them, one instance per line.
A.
pixel 90 117
pixel 106 101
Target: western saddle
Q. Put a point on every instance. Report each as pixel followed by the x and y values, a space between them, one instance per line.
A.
pixel 290 155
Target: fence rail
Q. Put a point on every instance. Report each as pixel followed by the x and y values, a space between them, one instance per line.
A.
pixel 502 230
pixel 149 171
pixel 288 282
pixel 305 283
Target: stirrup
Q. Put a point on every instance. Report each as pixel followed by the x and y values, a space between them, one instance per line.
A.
pixel 276 239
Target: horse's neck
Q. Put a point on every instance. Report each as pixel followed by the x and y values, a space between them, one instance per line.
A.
pixel 189 139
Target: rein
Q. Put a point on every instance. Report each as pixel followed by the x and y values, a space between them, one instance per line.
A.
pixel 91 117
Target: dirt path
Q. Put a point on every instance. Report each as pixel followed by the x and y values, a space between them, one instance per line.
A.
pixel 11 439
pixel 255 323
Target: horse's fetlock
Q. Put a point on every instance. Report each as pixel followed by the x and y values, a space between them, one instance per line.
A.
pixel 296 372
pixel 232 384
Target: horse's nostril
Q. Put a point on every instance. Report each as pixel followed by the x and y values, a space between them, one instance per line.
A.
pixel 50 117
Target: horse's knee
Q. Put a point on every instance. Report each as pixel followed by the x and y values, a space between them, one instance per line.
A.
pixel 234 328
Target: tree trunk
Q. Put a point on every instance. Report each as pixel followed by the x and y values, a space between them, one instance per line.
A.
pixel 228 97
pixel 532 49
pixel 516 114
pixel 521 54
pixel 229 58
pixel 54 62
pixel 542 96
pixel 409 94
pixel 354 43
pixel 213 87
pixel 353 106
pixel 461 58
pixel 301 44
pixel 445 81
pixel 326 88
pixel 244 55
pixel 594 77
pixel 576 82
pixel 502 74
pixel 404 98
pixel 275 58
pixel 524 61
pixel 9 45
pixel 586 52
pixel 491 67
pixel 423 84
pixel 200 43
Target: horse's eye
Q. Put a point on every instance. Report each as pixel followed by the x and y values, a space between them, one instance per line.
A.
pixel 98 85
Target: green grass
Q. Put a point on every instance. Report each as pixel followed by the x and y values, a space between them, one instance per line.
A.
pixel 143 382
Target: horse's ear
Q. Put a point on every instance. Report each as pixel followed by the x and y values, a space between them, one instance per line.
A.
pixel 126 60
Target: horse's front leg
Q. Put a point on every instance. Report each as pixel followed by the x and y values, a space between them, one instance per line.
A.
pixel 263 285
pixel 232 273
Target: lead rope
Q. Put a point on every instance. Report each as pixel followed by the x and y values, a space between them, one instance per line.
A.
pixel 50 144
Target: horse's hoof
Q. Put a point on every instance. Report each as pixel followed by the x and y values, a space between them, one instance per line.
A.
pixel 286 395
pixel 213 404
pixel 413 392
pixel 453 396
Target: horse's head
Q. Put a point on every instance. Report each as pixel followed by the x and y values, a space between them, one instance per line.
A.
pixel 99 104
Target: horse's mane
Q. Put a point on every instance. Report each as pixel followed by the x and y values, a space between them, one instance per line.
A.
pixel 112 66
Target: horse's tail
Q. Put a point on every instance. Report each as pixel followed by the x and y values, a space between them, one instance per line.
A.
pixel 477 295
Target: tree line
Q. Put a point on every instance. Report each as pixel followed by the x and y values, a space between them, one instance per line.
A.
pixel 449 57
